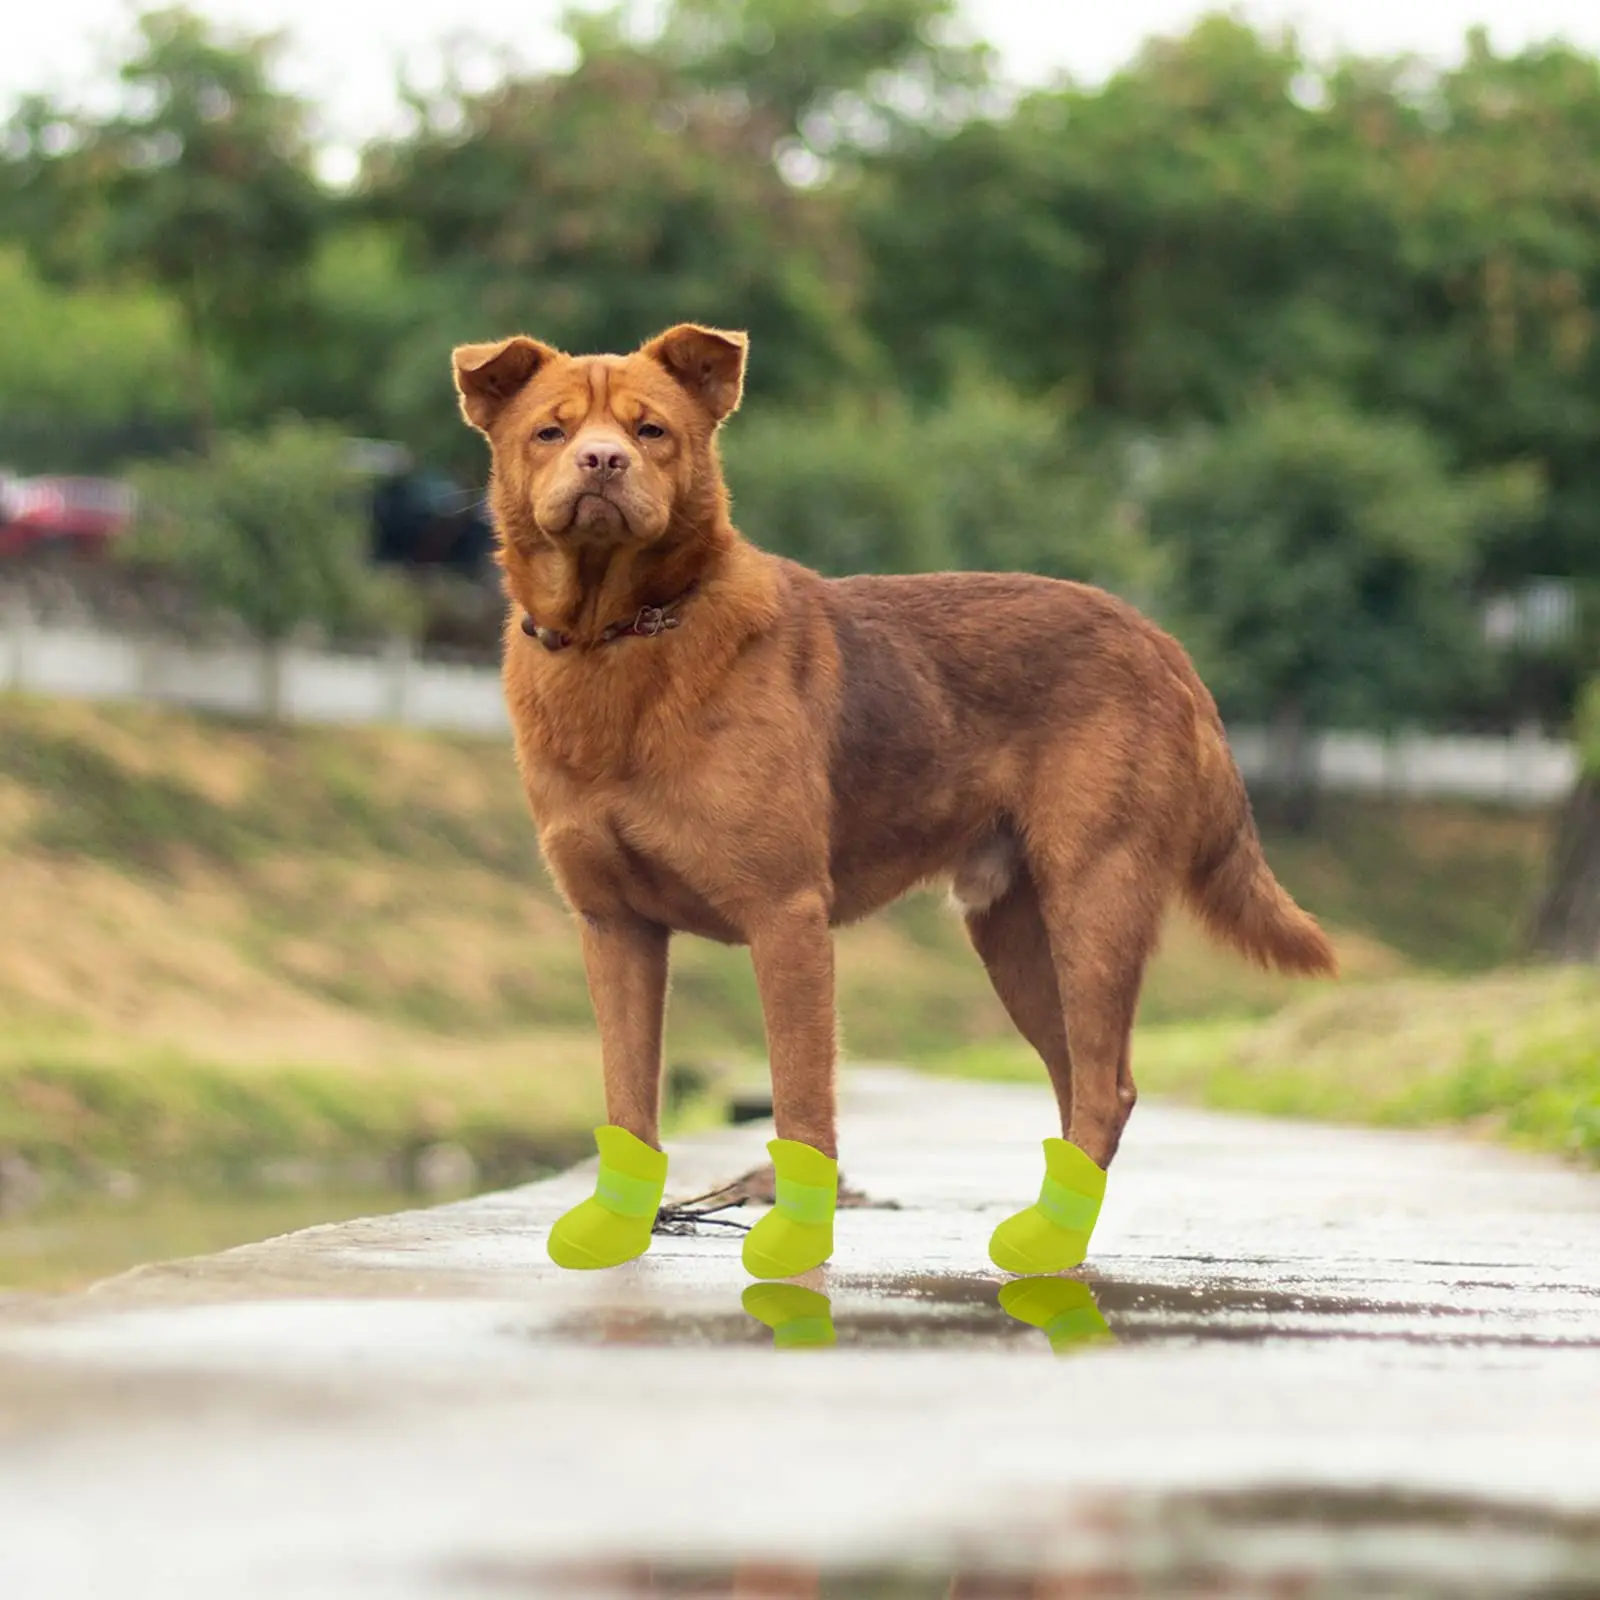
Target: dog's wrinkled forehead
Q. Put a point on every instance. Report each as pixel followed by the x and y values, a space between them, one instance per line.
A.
pixel 689 374
pixel 605 388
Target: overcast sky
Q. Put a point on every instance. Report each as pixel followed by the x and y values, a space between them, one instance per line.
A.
pixel 346 50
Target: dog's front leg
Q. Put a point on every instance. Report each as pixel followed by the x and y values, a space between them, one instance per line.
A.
pixel 625 961
pixel 791 948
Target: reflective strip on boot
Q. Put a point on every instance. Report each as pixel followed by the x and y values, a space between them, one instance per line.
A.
pixel 803 1331
pixel 1076 1323
pixel 805 1202
pixel 627 1197
pixel 1066 1208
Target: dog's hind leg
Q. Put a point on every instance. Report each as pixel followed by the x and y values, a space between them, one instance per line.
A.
pixel 1100 923
pixel 1010 938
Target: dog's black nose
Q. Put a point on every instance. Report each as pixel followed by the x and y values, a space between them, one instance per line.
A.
pixel 604 457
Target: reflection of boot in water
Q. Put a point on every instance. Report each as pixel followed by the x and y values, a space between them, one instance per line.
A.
pixel 800 1319
pixel 1063 1307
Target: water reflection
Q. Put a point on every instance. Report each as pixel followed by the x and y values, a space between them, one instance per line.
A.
pixel 1064 1310
pixel 800 1318
pixel 899 1312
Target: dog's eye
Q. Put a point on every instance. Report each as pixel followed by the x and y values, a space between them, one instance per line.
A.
pixel 550 435
pixel 651 430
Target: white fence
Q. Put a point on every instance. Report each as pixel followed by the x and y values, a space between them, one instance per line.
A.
pixel 1524 771
pixel 299 685
pixel 310 686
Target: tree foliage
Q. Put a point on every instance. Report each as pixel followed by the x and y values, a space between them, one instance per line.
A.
pixel 200 183
pixel 1226 217
pixel 830 76
pixel 269 526
pixel 971 311
pixel 983 481
pixel 1321 559
pixel 85 373
pixel 584 206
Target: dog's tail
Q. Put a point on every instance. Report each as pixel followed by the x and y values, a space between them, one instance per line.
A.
pixel 1230 886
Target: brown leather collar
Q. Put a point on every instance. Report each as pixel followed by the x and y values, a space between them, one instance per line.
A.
pixel 646 623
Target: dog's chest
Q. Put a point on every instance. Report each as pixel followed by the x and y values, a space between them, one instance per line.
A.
pixel 610 857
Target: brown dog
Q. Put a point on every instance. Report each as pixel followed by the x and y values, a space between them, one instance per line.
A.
pixel 716 741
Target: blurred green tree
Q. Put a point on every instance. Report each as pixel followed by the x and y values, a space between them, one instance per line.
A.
pixel 984 481
pixel 1226 220
pixel 1154 245
pixel 87 374
pixel 1320 561
pixel 211 184
pixel 829 77
pixel 50 202
pixel 664 178
pixel 271 528
pixel 202 183
pixel 1481 299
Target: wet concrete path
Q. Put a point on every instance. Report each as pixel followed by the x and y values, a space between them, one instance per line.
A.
pixel 1340 1363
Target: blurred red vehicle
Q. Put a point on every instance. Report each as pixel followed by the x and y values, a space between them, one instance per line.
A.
pixel 81 514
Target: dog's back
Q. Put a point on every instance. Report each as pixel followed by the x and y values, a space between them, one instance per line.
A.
pixel 967 704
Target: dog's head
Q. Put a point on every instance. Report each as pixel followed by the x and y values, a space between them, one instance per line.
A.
pixel 603 450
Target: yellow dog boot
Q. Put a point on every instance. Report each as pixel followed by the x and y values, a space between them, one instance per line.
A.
pixel 1053 1233
pixel 614 1225
pixel 797 1233
pixel 1063 1308
pixel 800 1319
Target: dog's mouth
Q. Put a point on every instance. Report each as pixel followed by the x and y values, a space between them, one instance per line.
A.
pixel 598 512
pixel 594 511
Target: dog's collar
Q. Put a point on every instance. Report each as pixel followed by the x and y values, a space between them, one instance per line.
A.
pixel 646 623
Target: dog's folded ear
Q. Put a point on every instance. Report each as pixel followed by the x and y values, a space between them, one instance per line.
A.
pixel 708 362
pixel 490 375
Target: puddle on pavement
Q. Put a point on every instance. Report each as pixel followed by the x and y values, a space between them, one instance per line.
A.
pixel 1289 1544
pixel 1031 1314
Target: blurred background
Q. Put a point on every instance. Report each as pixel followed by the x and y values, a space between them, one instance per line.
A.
pixel 1288 336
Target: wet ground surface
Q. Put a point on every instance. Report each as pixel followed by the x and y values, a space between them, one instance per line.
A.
pixel 1265 1545
pixel 1303 1362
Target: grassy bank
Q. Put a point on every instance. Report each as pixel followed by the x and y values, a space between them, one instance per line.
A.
pixel 1509 1055
pixel 63 1247
pixel 90 1111
pixel 227 946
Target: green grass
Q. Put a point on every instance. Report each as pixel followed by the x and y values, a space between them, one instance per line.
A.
pixel 387 874
pixel 1514 1055
pixel 313 791
pixel 1446 886
pixel 78 1109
